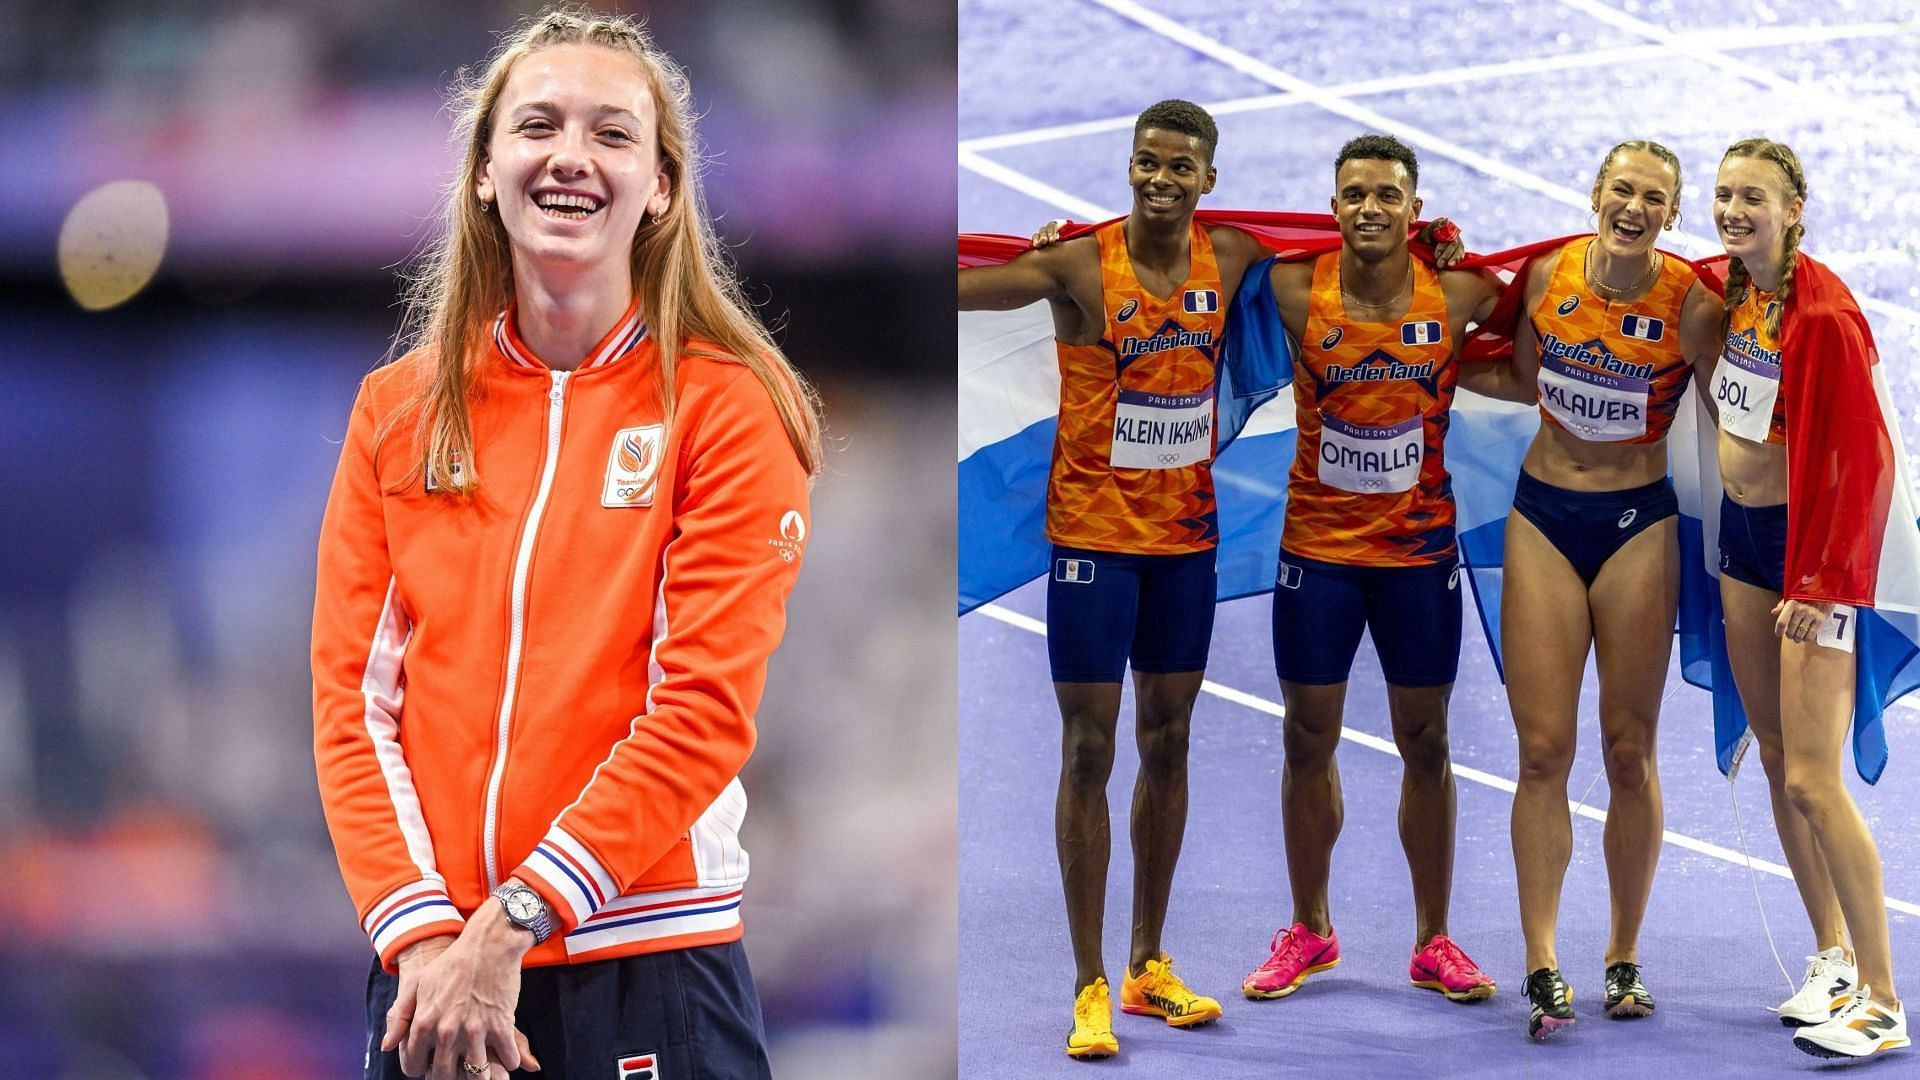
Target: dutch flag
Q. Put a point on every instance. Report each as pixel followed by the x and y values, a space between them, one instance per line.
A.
pixel 1642 327
pixel 1420 333
pixel 1202 301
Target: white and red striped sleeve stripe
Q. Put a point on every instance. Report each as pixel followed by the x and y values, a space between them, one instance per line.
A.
pixel 409 913
pixel 570 877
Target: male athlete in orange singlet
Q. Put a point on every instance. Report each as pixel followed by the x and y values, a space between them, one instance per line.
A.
pixel 1139 308
pixel 1369 545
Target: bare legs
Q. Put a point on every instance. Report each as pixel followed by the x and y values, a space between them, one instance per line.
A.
pixel 1799 701
pixel 1626 618
pixel 1755 652
pixel 1312 809
pixel 1082 828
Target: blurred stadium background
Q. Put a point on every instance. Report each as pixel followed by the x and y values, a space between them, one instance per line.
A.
pixel 169 902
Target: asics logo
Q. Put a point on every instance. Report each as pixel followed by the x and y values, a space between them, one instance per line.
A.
pixel 1626 519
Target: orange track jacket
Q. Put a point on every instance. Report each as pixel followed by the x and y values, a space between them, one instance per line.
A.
pixel 555 678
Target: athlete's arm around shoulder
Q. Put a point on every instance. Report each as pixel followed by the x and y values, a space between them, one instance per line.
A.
pixel 1526 344
pixel 1235 250
pixel 1292 293
pixel 1471 297
pixel 1066 275
pixel 1700 342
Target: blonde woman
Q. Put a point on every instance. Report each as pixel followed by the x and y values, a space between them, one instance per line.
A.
pixel 1613 333
pixel 1798 540
pixel 554 563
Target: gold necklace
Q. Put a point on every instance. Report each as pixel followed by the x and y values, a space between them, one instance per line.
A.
pixel 1350 300
pixel 1608 292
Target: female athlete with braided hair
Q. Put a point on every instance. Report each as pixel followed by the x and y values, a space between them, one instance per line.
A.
pixel 1789 639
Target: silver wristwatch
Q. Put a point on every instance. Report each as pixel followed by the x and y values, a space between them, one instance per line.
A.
pixel 525 909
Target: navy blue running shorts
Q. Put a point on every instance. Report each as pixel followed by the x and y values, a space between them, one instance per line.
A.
pixel 1105 608
pixel 1589 526
pixel 1413 613
pixel 683 1014
pixel 1753 543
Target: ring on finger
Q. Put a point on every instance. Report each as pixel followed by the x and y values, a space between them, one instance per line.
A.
pixel 471 1069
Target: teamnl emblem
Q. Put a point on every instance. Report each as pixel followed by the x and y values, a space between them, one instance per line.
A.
pixel 632 465
pixel 1073 571
pixel 793 536
pixel 1420 333
pixel 1126 311
pixel 1201 302
pixel 456 468
pixel 637 1067
pixel 1642 327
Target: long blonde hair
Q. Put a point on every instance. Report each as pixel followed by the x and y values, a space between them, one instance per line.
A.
pixel 686 284
pixel 1739 280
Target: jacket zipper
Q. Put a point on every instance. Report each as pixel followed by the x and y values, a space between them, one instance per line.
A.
pixel 556 403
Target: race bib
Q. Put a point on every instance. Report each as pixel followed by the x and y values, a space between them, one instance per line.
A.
pixel 1837 632
pixel 1744 389
pixel 1161 431
pixel 1594 405
pixel 1371 460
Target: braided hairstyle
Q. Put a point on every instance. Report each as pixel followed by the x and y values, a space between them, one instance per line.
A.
pixel 1738 279
pixel 1646 146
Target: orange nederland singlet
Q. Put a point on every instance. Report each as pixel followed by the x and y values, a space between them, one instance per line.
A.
pixel 1369 487
pixel 1611 372
pixel 1133 460
pixel 1746 382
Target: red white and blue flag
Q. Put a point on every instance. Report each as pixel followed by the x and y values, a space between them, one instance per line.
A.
pixel 1851 539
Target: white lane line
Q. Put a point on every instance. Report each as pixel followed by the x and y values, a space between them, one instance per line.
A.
pixel 1465 772
pixel 1361 88
pixel 1332 101
pixel 1712 52
pixel 1260 70
pixel 1688 44
pixel 1027 185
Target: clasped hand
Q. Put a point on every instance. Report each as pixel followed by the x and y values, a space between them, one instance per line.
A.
pixel 456 1000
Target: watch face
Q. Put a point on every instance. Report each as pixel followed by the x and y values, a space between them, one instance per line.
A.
pixel 523 905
